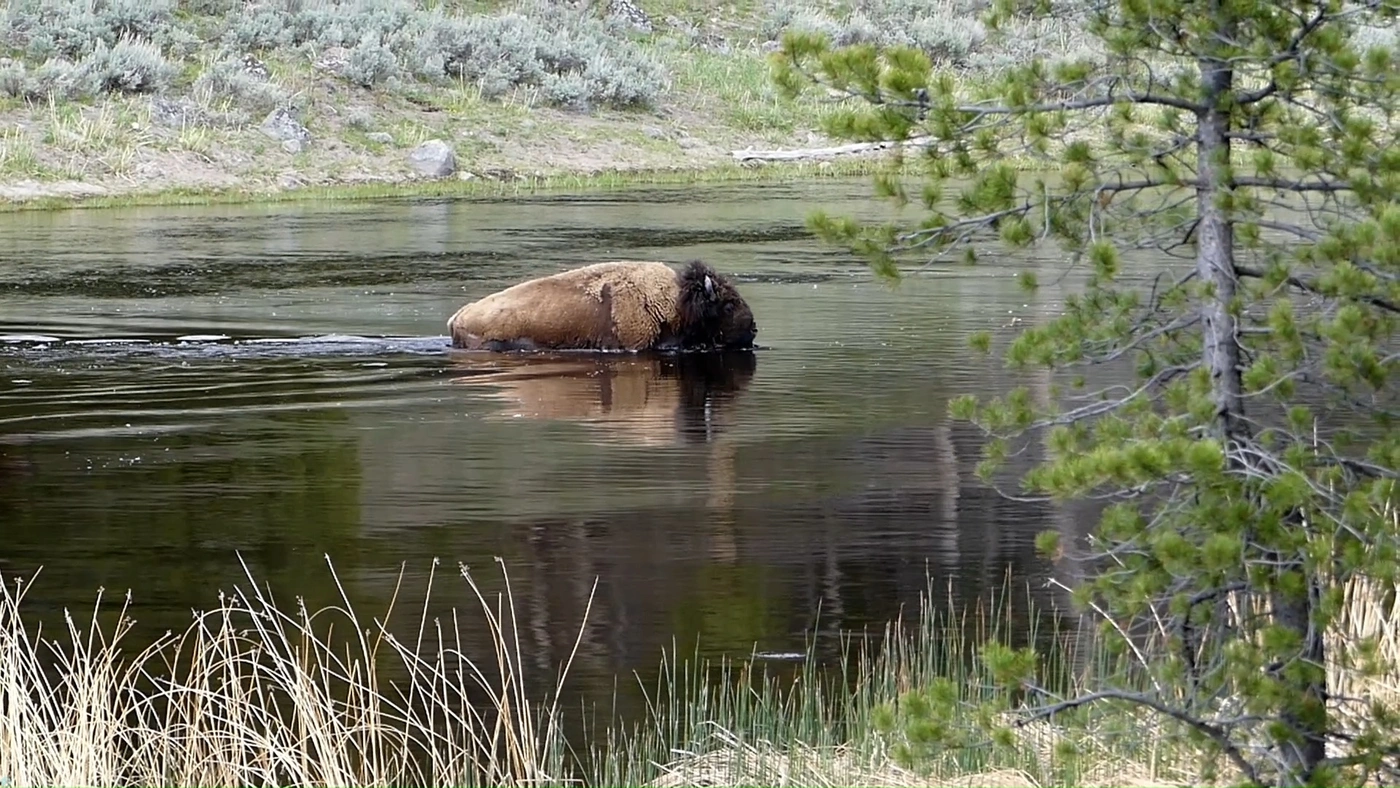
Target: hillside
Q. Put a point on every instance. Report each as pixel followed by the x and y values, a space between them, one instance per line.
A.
pixel 114 97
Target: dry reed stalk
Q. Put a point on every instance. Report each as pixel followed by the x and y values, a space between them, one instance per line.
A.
pixel 250 695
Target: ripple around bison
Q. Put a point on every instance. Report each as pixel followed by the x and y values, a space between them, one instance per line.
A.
pixel 39 347
pixel 46 348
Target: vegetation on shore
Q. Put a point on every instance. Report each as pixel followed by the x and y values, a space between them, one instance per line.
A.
pixel 118 98
pixel 253 693
pixel 1245 452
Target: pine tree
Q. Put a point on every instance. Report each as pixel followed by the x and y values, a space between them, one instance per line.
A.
pixel 1252 469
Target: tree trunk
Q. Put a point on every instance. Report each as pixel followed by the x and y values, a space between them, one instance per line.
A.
pixel 1215 265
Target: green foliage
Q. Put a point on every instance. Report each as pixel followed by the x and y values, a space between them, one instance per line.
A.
pixel 1250 467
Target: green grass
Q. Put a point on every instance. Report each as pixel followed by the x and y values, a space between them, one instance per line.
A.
pixel 476 187
pixel 738 89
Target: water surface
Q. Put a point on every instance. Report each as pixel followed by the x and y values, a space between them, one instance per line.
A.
pixel 182 386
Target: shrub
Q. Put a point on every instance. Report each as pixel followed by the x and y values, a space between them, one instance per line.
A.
pixel 370 62
pixel 949 31
pixel 130 66
pixel 575 58
pixel 57 77
pixel 73 29
pixel 227 79
pixel 13 78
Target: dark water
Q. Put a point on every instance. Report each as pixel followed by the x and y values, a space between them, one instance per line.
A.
pixel 181 386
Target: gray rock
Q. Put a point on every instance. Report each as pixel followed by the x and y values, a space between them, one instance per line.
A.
pixel 630 14
pixel 688 143
pixel 293 145
pixel 334 60
pixel 381 137
pixel 175 114
pixel 281 125
pixel 434 159
pixel 654 133
pixel 255 68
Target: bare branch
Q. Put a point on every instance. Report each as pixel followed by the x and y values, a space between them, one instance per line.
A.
pixel 1214 732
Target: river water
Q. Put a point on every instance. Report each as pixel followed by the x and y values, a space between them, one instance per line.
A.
pixel 180 387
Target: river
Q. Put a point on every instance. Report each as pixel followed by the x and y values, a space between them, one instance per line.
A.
pixel 180 387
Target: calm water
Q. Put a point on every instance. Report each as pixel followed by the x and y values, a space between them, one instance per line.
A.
pixel 179 386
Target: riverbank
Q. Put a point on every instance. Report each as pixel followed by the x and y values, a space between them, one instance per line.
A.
pixel 119 150
pixel 76 195
pixel 254 693
pixel 220 101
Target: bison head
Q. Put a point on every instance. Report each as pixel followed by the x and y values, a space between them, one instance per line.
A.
pixel 711 312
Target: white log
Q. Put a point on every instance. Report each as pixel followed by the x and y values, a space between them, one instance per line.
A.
pixel 749 154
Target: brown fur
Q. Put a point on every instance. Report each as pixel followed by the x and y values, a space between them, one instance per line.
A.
pixel 623 305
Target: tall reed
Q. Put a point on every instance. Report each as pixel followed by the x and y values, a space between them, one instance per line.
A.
pixel 251 694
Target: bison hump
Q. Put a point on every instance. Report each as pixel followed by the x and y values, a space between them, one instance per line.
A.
pixel 602 306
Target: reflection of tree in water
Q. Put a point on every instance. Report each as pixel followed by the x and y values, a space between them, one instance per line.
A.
pixel 747 541
pixel 760 572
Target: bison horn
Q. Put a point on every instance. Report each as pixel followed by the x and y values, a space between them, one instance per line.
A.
pixel 709 286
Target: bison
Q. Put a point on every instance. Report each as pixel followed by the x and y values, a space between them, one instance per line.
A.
pixel 622 305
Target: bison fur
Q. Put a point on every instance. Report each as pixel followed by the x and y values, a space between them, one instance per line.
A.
pixel 621 305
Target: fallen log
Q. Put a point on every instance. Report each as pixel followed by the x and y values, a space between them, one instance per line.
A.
pixel 797 154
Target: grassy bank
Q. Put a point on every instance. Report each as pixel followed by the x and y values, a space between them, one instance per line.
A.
pixel 562 182
pixel 252 694
pixel 109 102
pixel 256 694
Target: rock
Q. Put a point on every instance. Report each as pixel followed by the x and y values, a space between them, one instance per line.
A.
pixel 434 159
pixel 688 143
pixel 381 137
pixel 334 60
pixel 654 133
pixel 771 46
pixel 293 145
pixel 176 114
pixel 631 14
pixel 255 68
pixel 714 43
pixel 281 125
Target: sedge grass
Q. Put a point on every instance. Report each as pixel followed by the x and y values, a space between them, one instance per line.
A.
pixel 255 694
pixel 606 180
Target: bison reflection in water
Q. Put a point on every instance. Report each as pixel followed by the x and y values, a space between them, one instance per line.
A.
pixel 644 399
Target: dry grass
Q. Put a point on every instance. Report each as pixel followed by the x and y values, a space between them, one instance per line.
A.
pixel 250 694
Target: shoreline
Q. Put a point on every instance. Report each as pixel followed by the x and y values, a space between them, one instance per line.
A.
pixel 75 195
